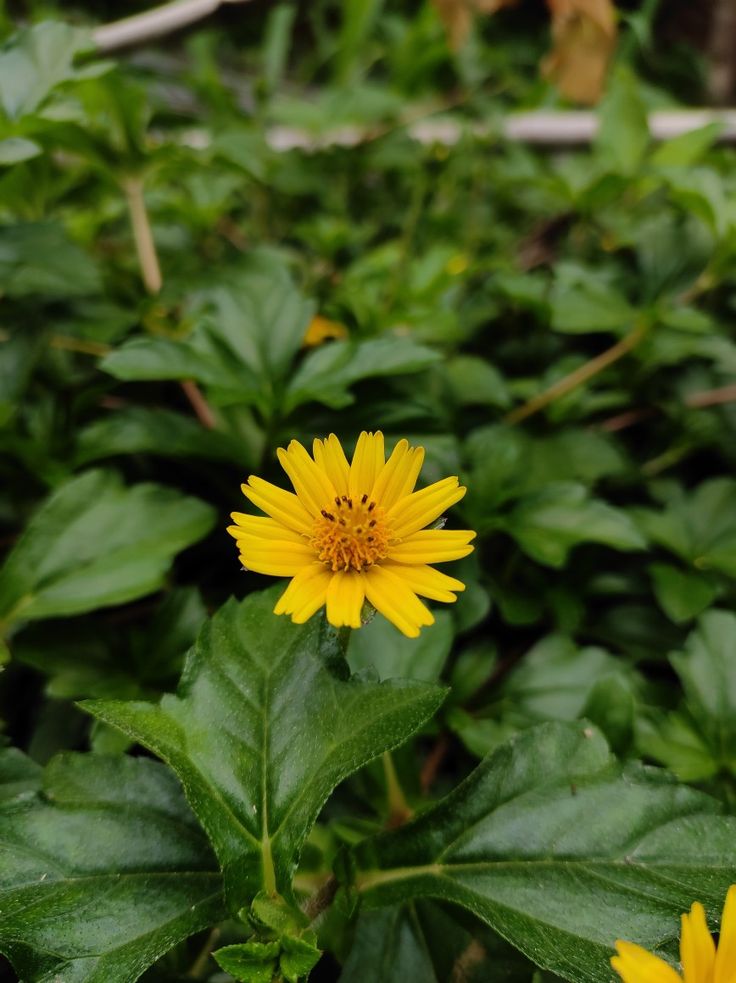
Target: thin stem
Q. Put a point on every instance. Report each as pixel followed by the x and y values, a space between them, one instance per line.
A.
pixel 153 281
pixel 399 810
pixel 578 377
pixel 144 244
pixel 200 963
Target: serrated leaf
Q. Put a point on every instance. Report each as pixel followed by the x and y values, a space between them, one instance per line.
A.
pixel 35 61
pixel 561 852
pixel 94 543
pixel 102 872
pixel 260 733
pixel 549 524
pixel 326 374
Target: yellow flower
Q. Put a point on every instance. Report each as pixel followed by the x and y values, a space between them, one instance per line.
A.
pixel 320 329
pixel 353 532
pixel 700 961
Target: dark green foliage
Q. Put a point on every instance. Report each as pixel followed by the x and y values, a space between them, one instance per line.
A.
pixel 551 766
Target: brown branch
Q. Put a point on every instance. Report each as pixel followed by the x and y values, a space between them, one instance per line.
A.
pixel 433 762
pixel 321 899
pixel 578 377
pixel 711 397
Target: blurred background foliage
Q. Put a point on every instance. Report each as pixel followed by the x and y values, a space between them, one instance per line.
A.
pixel 554 324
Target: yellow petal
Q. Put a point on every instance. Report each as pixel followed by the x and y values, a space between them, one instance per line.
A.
pixel 426 581
pixel 390 594
pixel 415 511
pixel 281 505
pixel 305 594
pixel 390 478
pixel 412 472
pixel 320 328
pixel 433 546
pixel 275 559
pixel 313 487
pixel 635 965
pixel 330 457
pixel 725 964
pixel 345 596
pixel 697 949
pixel 367 461
pixel 265 528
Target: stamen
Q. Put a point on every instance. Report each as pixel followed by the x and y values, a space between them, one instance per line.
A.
pixel 354 537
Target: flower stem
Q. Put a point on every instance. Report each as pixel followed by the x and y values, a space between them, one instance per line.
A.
pixel 343 639
pixel 144 244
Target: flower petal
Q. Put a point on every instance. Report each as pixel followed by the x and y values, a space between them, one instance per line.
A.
pixel 421 508
pixel 725 964
pixel 390 477
pixel 433 546
pixel 279 504
pixel 263 527
pixel 305 594
pixel 426 581
pixel 697 949
pixel 635 965
pixel 345 596
pixel 367 461
pixel 329 455
pixel 313 487
pixel 277 559
pixel 411 473
pixel 390 594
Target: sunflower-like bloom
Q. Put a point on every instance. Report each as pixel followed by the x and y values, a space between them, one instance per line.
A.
pixel 353 532
pixel 700 960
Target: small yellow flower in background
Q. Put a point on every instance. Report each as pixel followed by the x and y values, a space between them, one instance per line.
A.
pixel 700 960
pixel 353 532
pixel 457 264
pixel 320 329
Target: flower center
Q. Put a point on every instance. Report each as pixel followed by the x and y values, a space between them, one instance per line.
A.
pixel 352 534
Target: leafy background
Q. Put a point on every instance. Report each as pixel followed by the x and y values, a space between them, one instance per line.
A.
pixel 554 325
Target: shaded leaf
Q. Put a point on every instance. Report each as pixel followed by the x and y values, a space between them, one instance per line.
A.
pixel 103 871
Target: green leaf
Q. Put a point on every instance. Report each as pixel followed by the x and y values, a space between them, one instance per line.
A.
pixel 248 330
pixel 699 526
pixel 13 150
pixel 34 62
pixel 555 678
pixel 687 148
pixel 623 134
pixel 38 258
pixel 549 524
pixel 561 852
pixel 138 430
pixel 260 733
pixel 94 543
pixel 473 381
pixel 682 594
pixel 104 870
pixel 424 941
pixel 249 962
pixel 327 373
pixel 588 305
pixel 392 654
pixel 707 670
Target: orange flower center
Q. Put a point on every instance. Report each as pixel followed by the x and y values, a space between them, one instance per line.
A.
pixel 352 534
